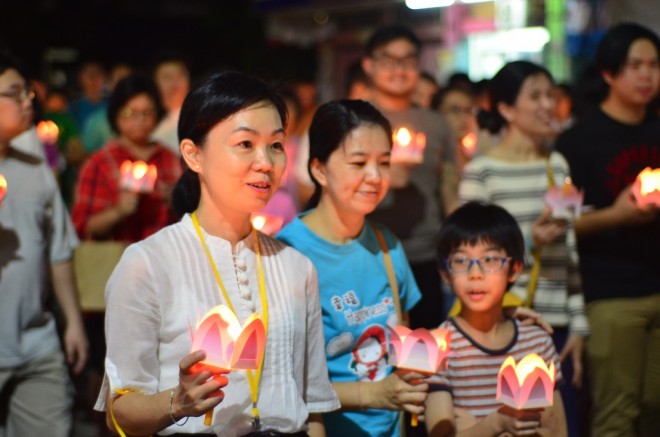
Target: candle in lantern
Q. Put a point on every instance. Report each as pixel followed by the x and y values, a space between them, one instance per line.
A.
pixel 646 188
pixel 228 346
pixel 469 145
pixel 48 133
pixel 528 384
pixel 565 202
pixel 267 223
pixel 407 146
pixel 3 187
pixel 138 176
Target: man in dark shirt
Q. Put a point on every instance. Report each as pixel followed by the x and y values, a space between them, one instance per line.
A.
pixel 618 240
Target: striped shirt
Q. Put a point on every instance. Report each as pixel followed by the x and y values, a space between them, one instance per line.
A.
pixel 471 375
pixel 520 187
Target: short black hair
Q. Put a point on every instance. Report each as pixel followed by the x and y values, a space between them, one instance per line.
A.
pixel 612 52
pixel 129 87
pixel 387 34
pixel 480 222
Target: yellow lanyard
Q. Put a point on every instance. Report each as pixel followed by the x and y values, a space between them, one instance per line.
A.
pixel 252 378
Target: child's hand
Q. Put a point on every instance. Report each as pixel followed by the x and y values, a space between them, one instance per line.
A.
pixel 199 390
pixel 518 422
pixel 402 390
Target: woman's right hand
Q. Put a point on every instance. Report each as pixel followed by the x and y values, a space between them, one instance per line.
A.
pixel 128 203
pixel 401 390
pixel 199 390
pixel 547 229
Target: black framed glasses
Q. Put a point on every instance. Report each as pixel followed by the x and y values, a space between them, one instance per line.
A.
pixel 19 95
pixel 487 264
pixel 389 62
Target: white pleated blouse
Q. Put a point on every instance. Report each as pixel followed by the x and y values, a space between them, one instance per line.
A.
pixel 162 287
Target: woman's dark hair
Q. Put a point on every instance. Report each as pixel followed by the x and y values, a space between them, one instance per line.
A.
pixel 480 222
pixel 214 100
pixel 612 51
pixel 128 88
pixel 505 86
pixel 332 123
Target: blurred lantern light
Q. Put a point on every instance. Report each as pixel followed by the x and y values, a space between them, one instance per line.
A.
pixel 427 4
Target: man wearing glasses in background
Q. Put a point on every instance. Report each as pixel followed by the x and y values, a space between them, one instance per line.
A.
pixel 36 246
pixel 423 192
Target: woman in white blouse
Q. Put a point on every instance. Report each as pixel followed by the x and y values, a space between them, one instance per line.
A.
pixel 232 135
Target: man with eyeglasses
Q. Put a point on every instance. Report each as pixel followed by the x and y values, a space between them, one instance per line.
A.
pixel 421 193
pixel 36 246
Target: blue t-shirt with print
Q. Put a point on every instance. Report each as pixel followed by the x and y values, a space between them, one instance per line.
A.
pixel 356 301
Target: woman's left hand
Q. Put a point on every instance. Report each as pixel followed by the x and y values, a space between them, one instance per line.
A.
pixel 528 316
pixel 574 347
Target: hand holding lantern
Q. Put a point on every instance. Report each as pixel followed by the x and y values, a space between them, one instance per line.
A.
pixel 408 146
pixel 228 346
pixel 138 176
pixel 420 350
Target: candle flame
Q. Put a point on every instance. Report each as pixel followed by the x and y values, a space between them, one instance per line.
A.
pixel 258 221
pixel 469 142
pixel 403 137
pixel 650 181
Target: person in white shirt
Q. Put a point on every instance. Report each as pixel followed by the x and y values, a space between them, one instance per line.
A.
pixel 232 131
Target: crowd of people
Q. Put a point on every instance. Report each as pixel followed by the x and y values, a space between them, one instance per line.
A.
pixel 406 202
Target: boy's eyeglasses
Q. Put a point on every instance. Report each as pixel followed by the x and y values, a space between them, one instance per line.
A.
pixel 487 264
pixel 19 95
pixel 388 62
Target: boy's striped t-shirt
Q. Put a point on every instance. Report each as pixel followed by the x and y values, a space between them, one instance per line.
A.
pixel 471 376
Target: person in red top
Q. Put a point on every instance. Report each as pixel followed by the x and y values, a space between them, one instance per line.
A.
pixel 101 209
pixel 104 211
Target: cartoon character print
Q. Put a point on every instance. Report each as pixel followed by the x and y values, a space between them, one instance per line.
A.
pixel 370 354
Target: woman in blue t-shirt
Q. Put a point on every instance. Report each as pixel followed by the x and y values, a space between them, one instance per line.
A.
pixel 349 163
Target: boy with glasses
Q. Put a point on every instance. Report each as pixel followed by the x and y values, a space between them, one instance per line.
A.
pixel 480 253
pixel 36 246
pixel 420 192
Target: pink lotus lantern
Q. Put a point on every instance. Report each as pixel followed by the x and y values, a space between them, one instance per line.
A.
pixel 3 188
pixel 646 188
pixel 420 350
pixel 228 346
pixel 138 176
pixel 47 131
pixel 267 223
pixel 528 384
pixel 565 202
pixel 408 147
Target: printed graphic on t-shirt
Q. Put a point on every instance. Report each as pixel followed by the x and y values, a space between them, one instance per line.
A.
pixel 622 170
pixel 369 360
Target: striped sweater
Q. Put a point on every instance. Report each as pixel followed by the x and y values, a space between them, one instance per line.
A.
pixel 471 375
pixel 520 188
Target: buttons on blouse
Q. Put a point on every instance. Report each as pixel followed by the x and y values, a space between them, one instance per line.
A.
pixel 243 283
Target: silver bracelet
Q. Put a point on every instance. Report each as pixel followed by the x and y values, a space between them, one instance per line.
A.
pixel 174 421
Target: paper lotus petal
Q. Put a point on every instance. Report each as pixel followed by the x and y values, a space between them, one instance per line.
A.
pixel 3 187
pixel 528 384
pixel 229 346
pixel 646 188
pixel 422 350
pixel 565 202
pixel 138 176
